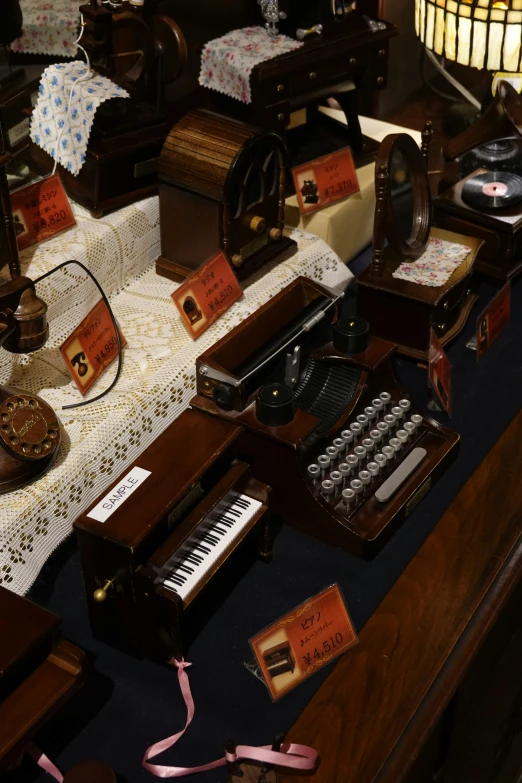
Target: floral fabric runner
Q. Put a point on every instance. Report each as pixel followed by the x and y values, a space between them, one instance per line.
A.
pixel 436 265
pixel 53 126
pixel 227 62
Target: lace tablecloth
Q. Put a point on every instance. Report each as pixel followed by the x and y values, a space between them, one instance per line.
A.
pixel 158 378
pixel 50 27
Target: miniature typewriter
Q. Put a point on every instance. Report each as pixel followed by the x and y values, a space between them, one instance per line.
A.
pixel 221 188
pixel 155 566
pixel 324 423
pixel 39 673
pixel 145 56
pixel 487 202
pixel 400 309
pixel 344 56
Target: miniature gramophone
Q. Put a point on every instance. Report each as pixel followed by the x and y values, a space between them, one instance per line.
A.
pixel 398 306
pixel 29 429
pixel 488 202
pixel 145 57
pixel 221 188
pixel 309 191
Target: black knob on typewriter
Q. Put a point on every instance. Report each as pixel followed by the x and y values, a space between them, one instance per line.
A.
pixel 275 405
pixel 223 396
pixel 351 335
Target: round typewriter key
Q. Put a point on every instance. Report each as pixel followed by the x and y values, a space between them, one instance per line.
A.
pixel 324 463
pixel 388 452
pixel 368 444
pixel 344 469
pixel 390 420
pixel 376 436
pixel 416 419
pixel 340 445
pixel 395 444
pixel 373 469
pixel 352 461
pixel 362 418
pixel 371 413
pixel 360 453
pixel 356 429
pixel 332 452
pixel 357 486
pixel 402 435
pixel 314 472
pixel 347 436
pixel 397 412
pixel 336 477
pixel 378 404
pixel 327 487
pixel 381 460
pixel 382 427
pixel 348 497
pixel 365 477
pixel 409 426
pixel 405 405
pixel 386 398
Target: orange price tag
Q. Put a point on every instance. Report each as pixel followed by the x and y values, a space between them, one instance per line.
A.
pixel 493 320
pixel 440 372
pixel 303 641
pixel 207 294
pixel 325 180
pixel 40 211
pixel 92 346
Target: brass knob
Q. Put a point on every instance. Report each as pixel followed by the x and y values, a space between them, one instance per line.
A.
pixel 280 87
pixel 380 80
pixel 312 75
pixel 275 234
pixel 382 52
pixel 353 60
pixel 100 595
pixel 281 117
pixel 257 224
pixel 237 260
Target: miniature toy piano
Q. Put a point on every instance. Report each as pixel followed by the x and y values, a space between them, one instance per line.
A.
pixel 279 659
pixel 344 55
pixel 39 672
pixel 144 57
pixel 155 566
pixel 324 420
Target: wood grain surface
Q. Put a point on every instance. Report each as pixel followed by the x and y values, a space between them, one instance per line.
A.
pixel 372 716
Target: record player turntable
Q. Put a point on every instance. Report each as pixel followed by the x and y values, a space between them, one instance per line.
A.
pixel 487 203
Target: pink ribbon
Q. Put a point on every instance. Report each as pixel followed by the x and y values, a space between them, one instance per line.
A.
pixel 291 756
pixel 44 762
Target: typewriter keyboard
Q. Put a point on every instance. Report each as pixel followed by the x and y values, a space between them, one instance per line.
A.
pixel 373 457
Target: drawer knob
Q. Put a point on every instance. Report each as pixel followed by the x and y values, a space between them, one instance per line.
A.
pixel 353 60
pixel 312 75
pixel 380 80
pixel 281 117
pixel 382 52
pixel 280 87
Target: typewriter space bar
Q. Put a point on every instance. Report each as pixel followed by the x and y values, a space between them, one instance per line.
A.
pixel 389 487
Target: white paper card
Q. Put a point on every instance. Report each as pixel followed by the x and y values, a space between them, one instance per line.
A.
pixel 118 494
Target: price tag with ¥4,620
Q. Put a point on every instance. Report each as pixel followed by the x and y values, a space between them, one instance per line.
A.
pixel 325 180
pixel 40 211
pixel 303 641
pixel 91 348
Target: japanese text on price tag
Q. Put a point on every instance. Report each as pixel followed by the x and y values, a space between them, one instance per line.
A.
pixel 40 211
pixel 207 294
pixel 325 180
pixel 92 346
pixel 303 641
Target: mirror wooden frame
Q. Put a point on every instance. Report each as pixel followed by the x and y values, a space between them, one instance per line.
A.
pixel 385 230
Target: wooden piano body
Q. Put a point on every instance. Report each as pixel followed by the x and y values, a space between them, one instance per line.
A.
pixel 39 672
pixel 126 558
pixel 333 390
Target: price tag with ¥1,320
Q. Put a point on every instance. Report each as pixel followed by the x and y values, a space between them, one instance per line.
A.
pixel 325 180
pixel 92 346
pixel 40 211
pixel 207 294
pixel 303 641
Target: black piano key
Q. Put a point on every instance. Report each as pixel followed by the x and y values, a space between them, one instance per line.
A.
pixel 178 580
pixel 217 529
pixel 194 559
pixel 224 521
pixel 186 568
pixel 202 548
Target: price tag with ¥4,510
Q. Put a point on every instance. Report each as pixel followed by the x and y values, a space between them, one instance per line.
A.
pixel 40 211
pixel 91 348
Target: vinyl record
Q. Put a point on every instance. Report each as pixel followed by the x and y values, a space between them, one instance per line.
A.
pixel 493 190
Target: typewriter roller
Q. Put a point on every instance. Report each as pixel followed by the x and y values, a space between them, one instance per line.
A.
pixel 147 564
pixel 355 455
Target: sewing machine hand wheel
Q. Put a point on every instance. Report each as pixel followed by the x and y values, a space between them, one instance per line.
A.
pixel 170 46
pixel 132 42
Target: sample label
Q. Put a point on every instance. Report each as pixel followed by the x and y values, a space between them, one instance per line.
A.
pixel 118 494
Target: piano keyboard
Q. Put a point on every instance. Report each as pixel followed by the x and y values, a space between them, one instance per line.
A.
pixel 371 457
pixel 213 537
